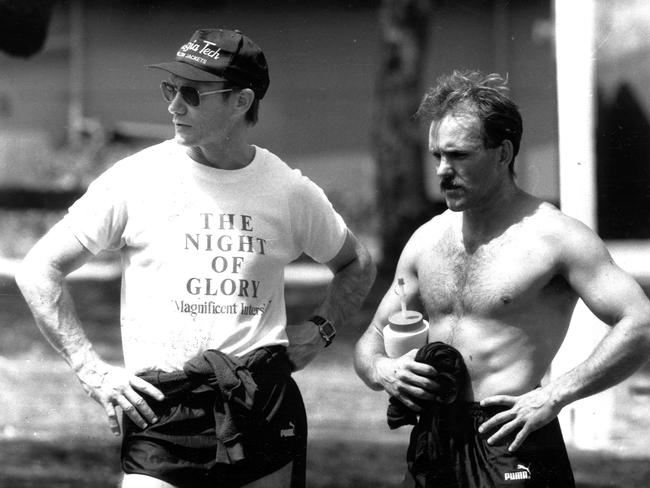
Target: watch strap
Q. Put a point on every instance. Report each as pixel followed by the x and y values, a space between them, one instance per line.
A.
pixel 325 328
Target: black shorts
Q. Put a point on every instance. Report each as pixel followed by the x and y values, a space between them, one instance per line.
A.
pixel 180 448
pixel 464 459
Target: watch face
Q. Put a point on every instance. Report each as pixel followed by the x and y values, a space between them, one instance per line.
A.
pixel 328 329
pixel 94 379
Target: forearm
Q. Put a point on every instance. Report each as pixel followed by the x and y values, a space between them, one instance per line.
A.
pixel 369 350
pixel 348 289
pixel 622 351
pixel 54 313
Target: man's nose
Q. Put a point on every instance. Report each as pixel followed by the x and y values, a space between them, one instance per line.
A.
pixel 444 168
pixel 177 105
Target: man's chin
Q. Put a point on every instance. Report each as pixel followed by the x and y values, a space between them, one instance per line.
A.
pixel 454 205
pixel 181 140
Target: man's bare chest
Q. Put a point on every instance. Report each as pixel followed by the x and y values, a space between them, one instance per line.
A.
pixel 500 276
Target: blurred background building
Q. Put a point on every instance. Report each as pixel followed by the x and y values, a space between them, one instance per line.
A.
pixel 90 78
pixel 89 82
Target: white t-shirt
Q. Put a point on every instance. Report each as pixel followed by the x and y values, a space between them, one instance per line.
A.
pixel 203 249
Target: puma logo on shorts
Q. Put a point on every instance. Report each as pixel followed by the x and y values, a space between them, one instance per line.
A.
pixel 522 473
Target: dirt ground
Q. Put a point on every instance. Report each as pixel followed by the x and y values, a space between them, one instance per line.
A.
pixel 52 435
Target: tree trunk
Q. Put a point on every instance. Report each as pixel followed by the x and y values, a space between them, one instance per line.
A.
pixel 398 139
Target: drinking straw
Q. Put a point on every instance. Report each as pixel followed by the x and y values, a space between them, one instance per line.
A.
pixel 402 295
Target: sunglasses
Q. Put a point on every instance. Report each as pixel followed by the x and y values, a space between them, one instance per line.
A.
pixel 190 95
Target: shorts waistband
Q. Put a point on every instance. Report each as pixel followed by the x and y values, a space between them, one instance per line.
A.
pixel 475 410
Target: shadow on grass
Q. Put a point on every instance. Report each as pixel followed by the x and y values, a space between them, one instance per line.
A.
pixel 77 463
pixel 61 463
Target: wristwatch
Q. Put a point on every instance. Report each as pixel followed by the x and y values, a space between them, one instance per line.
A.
pixel 325 328
pixel 93 378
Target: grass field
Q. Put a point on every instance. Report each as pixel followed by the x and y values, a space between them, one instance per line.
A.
pixel 52 435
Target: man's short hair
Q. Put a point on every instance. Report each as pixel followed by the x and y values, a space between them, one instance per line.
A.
pixel 486 96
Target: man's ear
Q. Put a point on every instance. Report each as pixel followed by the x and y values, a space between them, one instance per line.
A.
pixel 506 153
pixel 243 100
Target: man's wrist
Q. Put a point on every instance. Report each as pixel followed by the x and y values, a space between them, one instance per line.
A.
pixel 559 393
pixel 376 371
pixel 92 377
pixel 325 328
pixel 85 360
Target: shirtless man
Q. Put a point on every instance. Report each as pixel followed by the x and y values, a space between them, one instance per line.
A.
pixel 498 275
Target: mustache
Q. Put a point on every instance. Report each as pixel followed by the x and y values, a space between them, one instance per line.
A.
pixel 448 184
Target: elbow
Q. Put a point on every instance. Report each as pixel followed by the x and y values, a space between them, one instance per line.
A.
pixel 22 275
pixel 637 336
pixel 26 276
pixel 30 274
pixel 641 329
pixel 372 269
pixel 370 273
pixel 368 267
pixel 361 269
pixel 646 338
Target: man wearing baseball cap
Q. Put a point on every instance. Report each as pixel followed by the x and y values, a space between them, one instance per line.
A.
pixel 205 224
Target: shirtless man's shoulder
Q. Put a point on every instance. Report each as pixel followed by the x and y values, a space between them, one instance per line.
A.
pixel 537 220
pixel 573 242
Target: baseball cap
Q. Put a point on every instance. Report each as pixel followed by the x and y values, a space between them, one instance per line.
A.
pixel 214 54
